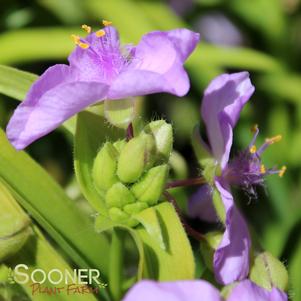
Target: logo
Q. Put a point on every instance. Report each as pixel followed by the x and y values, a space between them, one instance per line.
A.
pixel 57 281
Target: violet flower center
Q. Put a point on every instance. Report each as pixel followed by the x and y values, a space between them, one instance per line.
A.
pixel 106 52
pixel 246 169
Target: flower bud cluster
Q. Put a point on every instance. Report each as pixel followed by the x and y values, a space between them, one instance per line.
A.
pixel 131 175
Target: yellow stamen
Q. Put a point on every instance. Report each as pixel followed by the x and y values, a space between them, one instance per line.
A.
pixel 253 149
pixel 106 23
pixel 75 38
pixel 100 33
pixel 86 28
pixel 273 139
pixel 254 128
pixel 262 169
pixel 282 171
pixel 83 45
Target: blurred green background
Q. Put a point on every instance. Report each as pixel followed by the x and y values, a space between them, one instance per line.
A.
pixel 261 36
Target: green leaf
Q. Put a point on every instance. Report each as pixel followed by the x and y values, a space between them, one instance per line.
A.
pixel 15 83
pixel 266 16
pixel 48 204
pixel 294 272
pixel 176 262
pixel 14 224
pixel 35 44
pixel 103 224
pixel 150 220
pixel 91 133
pixel 285 86
pixel 268 272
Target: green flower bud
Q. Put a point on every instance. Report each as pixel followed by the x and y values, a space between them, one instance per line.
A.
pixel 105 166
pixel 135 208
pixel 118 196
pixel 267 271
pixel 136 156
pixel 162 132
pixel 14 225
pixel 117 215
pixel 119 145
pixel 151 186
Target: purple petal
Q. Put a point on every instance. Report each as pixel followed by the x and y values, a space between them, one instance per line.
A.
pixel 231 259
pixel 52 99
pixel 157 65
pixel 184 41
pixel 223 101
pixel 197 290
pixel 249 291
pixel 200 204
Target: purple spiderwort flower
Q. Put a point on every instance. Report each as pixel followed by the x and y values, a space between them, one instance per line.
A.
pixel 223 101
pixel 199 290
pixel 100 69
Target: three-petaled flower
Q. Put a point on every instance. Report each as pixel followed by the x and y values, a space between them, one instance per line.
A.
pixel 99 68
pixel 223 101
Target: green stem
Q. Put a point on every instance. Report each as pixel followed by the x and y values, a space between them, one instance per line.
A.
pixel 116 264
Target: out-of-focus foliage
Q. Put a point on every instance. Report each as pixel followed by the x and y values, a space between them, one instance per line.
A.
pixel 35 34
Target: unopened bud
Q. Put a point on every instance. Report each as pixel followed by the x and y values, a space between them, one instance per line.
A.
pixel 119 145
pixel 162 132
pixel 136 157
pixel 135 208
pixel 268 272
pixel 105 166
pixel 151 186
pixel 118 196
pixel 14 225
pixel 118 215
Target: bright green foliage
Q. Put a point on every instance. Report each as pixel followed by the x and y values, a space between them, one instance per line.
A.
pixel 268 272
pixel 14 225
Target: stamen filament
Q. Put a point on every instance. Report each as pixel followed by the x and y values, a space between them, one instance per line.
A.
pixel 254 130
pixel 268 142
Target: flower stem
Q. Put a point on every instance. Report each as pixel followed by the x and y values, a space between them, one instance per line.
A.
pixel 189 230
pixel 186 182
pixel 116 265
pixel 129 132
